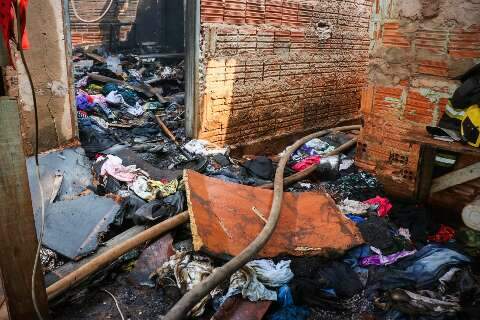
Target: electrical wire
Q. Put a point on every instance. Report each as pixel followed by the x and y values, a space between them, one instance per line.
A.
pixel 75 12
pixel 116 303
pixel 37 166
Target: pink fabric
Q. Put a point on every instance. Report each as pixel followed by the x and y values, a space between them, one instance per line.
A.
pixel 113 167
pixel 306 163
pixel 384 205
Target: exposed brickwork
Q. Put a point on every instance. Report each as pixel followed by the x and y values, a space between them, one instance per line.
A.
pixel 267 69
pixel 121 11
pixel 412 61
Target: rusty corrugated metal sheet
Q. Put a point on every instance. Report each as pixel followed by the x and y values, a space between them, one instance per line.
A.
pixel 223 222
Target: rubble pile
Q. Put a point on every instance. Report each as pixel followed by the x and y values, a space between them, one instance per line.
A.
pixel 342 248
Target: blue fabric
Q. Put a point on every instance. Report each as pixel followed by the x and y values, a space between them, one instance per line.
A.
pixel 355 218
pixel 422 269
pixel 82 103
pixel 288 310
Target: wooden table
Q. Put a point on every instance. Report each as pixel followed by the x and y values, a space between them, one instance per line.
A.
pixel 428 151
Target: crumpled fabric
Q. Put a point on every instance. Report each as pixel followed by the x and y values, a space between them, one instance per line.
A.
pixel 423 303
pixel 245 282
pixel 358 186
pixel 404 232
pixel 288 311
pixel 129 96
pixel 160 208
pixel 444 234
pixel 381 260
pixel 84 102
pixel 306 163
pixel 114 98
pixel 355 218
pixel 135 109
pixel 348 206
pixel 353 258
pixel 376 232
pixel 271 274
pixel 203 147
pixel 188 269
pixel 251 280
pixel 148 189
pixel 314 147
pixel 113 167
pixel 384 205
pixel 420 270
pixel 261 167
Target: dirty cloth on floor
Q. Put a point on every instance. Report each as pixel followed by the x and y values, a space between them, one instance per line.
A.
pixel 261 167
pixel 246 283
pixel 160 208
pixel 113 167
pixel 251 281
pixel 203 147
pixel 314 147
pixel 188 270
pixel 288 310
pixel 420 270
pixel 381 260
pixel 376 232
pixel 423 303
pixel 383 205
pixel 353 207
pixel 306 163
pixel 358 186
pixel 149 189
pixel 333 274
pixel 444 234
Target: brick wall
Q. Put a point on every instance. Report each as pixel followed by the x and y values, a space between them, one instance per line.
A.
pixel 280 67
pixel 417 47
pixel 121 11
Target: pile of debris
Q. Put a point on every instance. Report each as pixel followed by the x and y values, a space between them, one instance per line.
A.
pixel 340 250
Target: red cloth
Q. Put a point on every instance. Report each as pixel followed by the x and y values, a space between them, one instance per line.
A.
pixel 7 15
pixel 444 234
pixel 384 205
pixel 306 163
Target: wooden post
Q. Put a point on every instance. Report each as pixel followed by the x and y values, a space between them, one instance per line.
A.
pixel 18 239
pixel 424 182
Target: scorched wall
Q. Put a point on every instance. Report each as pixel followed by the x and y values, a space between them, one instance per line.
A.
pixel 417 47
pixel 270 67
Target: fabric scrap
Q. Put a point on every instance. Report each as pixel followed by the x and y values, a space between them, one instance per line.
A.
pixel 384 205
pixel 113 167
pixel 380 260
pixel 288 310
pixel 306 163
pixel 245 282
pixel 348 206
pixel 188 270
pixel 203 147
pixel 148 189
pixel 444 234
pixel 271 274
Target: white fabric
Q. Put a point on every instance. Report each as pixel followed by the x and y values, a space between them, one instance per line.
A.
pixel 203 147
pixel 271 274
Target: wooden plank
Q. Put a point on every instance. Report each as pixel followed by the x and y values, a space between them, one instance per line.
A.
pixel 456 177
pixel 418 137
pixel 18 241
pixel 146 90
pixel 424 181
